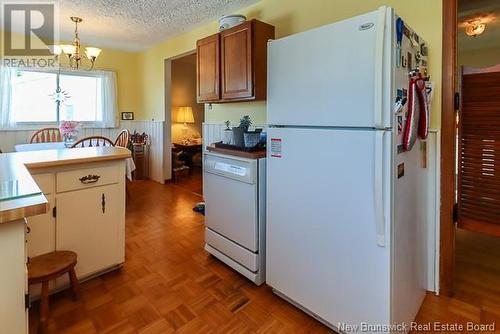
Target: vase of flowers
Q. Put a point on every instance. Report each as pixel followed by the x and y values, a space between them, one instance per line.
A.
pixel 69 132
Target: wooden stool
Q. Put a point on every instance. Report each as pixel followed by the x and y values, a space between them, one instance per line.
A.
pixel 46 267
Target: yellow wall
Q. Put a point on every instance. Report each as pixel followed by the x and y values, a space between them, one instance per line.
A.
pixel 126 66
pixel 291 16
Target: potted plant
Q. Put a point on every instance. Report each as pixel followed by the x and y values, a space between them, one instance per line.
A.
pixel 228 133
pixel 238 132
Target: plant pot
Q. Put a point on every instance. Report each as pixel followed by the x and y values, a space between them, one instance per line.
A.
pixel 238 137
pixel 251 138
pixel 228 137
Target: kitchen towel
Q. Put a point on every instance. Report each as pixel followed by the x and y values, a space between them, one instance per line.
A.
pixel 417 120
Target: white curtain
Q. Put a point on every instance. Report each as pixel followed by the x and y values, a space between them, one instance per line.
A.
pixel 6 114
pixel 108 98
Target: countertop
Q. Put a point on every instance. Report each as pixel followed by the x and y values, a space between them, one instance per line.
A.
pixel 20 196
pixel 243 154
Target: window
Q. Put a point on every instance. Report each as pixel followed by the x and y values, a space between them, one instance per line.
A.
pixel 31 101
pixel 34 98
pixel 29 96
pixel 84 103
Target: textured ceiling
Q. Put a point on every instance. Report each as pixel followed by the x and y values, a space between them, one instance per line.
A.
pixel 138 24
pixel 489 12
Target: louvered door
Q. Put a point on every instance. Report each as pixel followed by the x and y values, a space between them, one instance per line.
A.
pixel 479 151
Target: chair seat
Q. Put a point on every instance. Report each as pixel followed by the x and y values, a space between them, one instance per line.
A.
pixel 49 266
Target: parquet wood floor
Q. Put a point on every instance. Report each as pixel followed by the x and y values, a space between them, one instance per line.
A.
pixel 192 182
pixel 169 284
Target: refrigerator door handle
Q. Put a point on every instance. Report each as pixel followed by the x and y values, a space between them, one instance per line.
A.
pixel 379 68
pixel 379 187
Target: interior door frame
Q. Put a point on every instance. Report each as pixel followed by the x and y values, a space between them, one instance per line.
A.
pixel 167 125
pixel 448 147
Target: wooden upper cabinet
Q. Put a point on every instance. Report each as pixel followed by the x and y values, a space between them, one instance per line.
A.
pixel 207 67
pixel 243 63
pixel 237 69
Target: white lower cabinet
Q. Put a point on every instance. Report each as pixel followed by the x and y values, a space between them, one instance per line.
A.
pixel 13 312
pixel 86 225
pixel 41 234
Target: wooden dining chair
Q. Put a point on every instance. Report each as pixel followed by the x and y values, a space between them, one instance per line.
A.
pixel 123 138
pixel 93 141
pixel 46 135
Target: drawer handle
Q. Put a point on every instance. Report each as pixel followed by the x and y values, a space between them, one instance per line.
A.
pixel 89 179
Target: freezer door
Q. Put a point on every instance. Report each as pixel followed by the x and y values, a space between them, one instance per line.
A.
pixel 328 216
pixel 336 75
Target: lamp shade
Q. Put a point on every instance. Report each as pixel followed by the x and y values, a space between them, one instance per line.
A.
pixel 55 49
pixel 68 49
pixel 92 52
pixel 185 115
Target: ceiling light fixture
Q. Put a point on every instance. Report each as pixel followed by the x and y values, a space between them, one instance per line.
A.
pixel 73 50
pixel 474 28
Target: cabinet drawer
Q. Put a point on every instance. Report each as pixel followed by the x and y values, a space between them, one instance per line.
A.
pixel 87 178
pixel 45 182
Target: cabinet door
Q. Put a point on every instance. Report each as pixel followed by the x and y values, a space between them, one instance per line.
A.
pixel 41 237
pixel 88 223
pixel 207 66
pixel 236 62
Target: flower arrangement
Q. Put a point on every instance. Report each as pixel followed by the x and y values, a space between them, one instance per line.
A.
pixel 69 131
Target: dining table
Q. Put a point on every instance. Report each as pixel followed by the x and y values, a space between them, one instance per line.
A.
pixel 129 162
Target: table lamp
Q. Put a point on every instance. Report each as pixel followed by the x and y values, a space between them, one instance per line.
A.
pixel 185 115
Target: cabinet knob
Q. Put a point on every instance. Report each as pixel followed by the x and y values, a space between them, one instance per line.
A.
pixel 89 179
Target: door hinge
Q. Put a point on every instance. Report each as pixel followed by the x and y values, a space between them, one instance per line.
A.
pixel 455 213
pixel 54 212
pixel 457 101
pixel 27 303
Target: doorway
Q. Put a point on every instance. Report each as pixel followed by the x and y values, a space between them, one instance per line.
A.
pixel 477 242
pixel 470 249
pixel 185 127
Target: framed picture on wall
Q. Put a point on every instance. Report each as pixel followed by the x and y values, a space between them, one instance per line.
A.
pixel 127 116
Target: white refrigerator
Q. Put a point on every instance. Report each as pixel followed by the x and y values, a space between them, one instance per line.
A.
pixel 345 239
